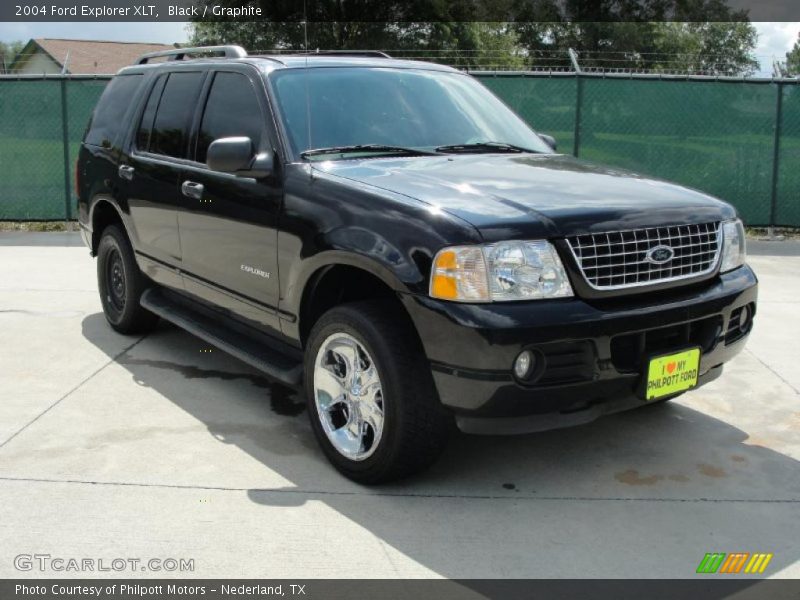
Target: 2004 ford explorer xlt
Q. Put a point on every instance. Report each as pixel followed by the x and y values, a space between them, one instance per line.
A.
pixel 391 238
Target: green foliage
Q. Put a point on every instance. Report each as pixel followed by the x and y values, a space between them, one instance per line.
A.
pixel 8 50
pixel 461 44
pixel 793 59
pixel 689 47
pixel 698 46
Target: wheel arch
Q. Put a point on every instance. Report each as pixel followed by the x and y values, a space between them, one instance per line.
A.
pixel 344 280
pixel 104 212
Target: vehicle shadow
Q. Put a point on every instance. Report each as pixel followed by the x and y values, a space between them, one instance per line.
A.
pixel 640 494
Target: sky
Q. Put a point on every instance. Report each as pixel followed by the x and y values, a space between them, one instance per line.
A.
pixel 774 39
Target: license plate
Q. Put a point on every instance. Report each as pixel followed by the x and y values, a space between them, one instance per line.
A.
pixel 672 373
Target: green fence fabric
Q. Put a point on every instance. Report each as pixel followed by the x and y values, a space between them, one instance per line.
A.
pixel 713 136
pixel 31 150
pixel 547 104
pixel 788 183
pixel 32 184
pixel 716 136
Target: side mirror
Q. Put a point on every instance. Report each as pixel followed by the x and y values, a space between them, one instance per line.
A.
pixel 235 155
pixel 549 140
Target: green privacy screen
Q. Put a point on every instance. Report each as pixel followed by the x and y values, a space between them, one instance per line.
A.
pixel 32 144
pixel 713 136
pixel 716 136
pixel 547 103
pixel 788 189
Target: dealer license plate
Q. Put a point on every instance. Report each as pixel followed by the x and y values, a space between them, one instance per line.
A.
pixel 672 373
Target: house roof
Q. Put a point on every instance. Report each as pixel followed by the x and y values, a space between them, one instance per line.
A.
pixel 90 56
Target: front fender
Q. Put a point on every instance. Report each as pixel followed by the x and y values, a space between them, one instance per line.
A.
pixel 328 220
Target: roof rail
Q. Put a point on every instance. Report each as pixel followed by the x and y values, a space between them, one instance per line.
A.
pixel 365 53
pixel 181 53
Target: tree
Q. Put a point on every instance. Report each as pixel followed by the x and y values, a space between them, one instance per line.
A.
pixel 688 36
pixel 461 44
pixel 793 59
pixel 8 50
pixel 717 48
pixel 664 35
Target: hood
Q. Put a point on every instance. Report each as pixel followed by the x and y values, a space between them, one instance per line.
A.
pixel 517 196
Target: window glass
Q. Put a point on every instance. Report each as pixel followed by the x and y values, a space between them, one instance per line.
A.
pixel 146 124
pixel 232 109
pixel 174 114
pixel 107 119
pixel 397 107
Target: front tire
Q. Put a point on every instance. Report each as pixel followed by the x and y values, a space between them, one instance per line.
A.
pixel 121 284
pixel 371 397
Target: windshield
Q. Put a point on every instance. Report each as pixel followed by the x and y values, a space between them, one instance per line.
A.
pixel 394 107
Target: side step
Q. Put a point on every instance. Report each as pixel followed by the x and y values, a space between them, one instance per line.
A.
pixel 268 360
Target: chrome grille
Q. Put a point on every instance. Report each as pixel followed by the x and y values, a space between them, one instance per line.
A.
pixel 619 259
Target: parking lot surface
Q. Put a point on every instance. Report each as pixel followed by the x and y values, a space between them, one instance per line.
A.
pixel 163 447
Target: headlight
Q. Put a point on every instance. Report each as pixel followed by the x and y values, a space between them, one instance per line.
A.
pixel 733 245
pixel 499 272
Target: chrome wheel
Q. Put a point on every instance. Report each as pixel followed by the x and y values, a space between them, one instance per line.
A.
pixel 348 396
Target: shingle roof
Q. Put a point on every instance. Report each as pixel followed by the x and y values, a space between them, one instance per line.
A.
pixel 96 57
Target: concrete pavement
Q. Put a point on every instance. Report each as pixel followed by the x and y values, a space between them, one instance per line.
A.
pixel 162 447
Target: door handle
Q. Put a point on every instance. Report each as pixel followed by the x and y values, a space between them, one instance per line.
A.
pixel 191 189
pixel 126 172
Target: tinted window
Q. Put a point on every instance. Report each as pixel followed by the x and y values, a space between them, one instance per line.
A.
pixel 232 109
pixel 146 124
pixel 107 119
pixel 174 114
pixel 399 107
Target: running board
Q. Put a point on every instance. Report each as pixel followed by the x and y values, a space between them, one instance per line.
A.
pixel 266 359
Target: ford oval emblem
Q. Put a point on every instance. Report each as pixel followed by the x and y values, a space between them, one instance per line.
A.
pixel 658 255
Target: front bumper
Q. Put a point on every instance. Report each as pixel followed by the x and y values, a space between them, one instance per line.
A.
pixel 594 352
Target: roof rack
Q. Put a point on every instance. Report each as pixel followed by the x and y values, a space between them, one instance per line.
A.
pixel 365 53
pixel 181 53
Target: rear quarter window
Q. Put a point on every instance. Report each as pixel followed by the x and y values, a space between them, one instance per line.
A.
pixel 108 118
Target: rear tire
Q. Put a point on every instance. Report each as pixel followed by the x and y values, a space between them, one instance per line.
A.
pixel 371 398
pixel 121 284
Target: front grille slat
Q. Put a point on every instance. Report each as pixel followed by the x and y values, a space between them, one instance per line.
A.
pixel 618 259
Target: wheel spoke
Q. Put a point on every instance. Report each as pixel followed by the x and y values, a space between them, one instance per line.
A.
pixel 346 441
pixel 345 350
pixel 328 387
pixel 371 409
pixel 368 378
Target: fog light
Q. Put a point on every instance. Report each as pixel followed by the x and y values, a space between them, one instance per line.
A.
pixel 523 365
pixel 745 318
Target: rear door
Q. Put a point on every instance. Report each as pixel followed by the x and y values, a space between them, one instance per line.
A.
pixel 228 224
pixel 151 175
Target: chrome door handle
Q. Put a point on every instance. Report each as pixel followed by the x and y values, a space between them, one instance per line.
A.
pixel 191 189
pixel 126 172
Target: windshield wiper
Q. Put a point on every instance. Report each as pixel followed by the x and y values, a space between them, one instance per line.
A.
pixel 483 147
pixel 376 148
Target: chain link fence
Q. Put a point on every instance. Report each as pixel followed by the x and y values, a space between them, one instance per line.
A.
pixel 738 140
pixel 731 138
pixel 39 119
pixel 787 207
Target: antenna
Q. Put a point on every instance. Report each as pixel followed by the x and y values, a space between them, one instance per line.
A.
pixel 308 99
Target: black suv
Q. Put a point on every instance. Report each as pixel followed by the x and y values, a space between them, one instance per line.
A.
pixel 392 238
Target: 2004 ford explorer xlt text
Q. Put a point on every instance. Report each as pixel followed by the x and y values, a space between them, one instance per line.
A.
pixel 389 237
